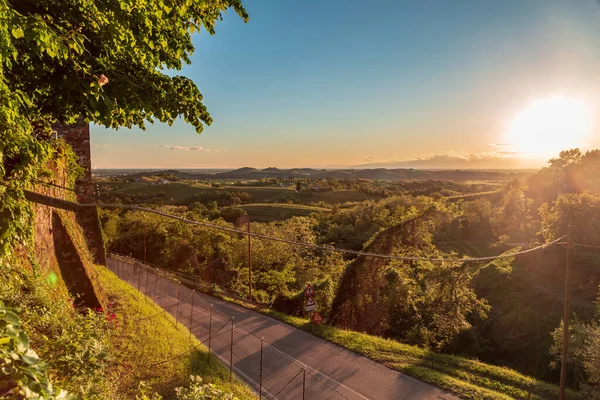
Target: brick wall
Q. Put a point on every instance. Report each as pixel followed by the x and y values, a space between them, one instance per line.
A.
pixel 78 136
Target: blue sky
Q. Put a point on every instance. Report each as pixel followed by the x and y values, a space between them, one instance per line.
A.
pixel 336 83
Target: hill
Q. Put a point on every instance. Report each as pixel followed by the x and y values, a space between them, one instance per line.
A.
pixel 396 174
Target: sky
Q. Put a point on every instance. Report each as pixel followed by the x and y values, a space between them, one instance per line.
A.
pixel 337 83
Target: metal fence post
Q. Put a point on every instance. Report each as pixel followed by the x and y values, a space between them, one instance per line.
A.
pixel 166 291
pixel 231 352
pixel 192 316
pixel 209 331
pixel 303 382
pixel 155 286
pixel 146 286
pixel 260 370
pixel 177 306
pixel 139 275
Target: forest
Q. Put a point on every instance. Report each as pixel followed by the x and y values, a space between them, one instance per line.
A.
pixel 507 311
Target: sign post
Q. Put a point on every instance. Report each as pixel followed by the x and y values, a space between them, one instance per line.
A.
pixel 309 291
pixel 310 306
pixel 316 318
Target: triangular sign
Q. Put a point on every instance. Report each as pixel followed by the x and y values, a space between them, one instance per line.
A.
pixel 309 290
pixel 316 318
pixel 310 302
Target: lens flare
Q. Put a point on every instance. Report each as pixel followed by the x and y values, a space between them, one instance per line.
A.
pixel 548 126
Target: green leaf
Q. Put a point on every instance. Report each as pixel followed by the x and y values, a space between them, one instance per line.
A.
pixel 11 318
pixel 29 359
pixel 4 340
pixel 17 32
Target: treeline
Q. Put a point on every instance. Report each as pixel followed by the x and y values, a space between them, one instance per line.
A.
pixel 506 312
pixel 221 198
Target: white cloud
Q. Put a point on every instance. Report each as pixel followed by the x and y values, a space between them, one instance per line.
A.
pixel 100 145
pixel 191 148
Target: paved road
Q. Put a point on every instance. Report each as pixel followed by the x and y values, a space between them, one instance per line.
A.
pixel 331 372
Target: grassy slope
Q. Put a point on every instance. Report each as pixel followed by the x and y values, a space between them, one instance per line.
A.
pixel 139 344
pixel 134 346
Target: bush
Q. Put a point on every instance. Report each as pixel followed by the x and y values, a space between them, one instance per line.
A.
pixel 23 374
pixel 200 391
pixel 81 351
pixel 73 344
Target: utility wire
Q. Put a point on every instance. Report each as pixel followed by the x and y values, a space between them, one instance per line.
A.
pixel 74 206
pixel 590 246
pixel 317 246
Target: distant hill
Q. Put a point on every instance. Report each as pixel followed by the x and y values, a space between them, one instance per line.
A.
pixel 446 162
pixel 248 173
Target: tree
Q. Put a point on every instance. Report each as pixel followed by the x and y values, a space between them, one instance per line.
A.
pixel 102 62
pixel 581 211
pixel 298 186
pixel 513 220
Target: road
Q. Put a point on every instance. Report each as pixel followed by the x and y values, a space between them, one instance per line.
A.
pixel 295 364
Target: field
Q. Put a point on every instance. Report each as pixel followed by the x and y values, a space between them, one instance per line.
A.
pixel 266 212
pixel 179 192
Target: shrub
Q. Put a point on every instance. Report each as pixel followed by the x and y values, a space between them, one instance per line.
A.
pixel 200 391
pixel 23 374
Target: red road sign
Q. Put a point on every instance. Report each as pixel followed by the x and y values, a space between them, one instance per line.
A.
pixel 316 318
pixel 309 290
pixel 310 304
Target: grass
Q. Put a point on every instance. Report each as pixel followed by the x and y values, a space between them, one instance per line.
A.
pixel 269 212
pixel 91 358
pixel 139 345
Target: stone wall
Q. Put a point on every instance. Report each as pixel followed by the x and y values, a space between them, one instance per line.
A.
pixel 78 136
pixel 55 253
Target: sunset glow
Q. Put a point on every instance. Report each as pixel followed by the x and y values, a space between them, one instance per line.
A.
pixel 550 125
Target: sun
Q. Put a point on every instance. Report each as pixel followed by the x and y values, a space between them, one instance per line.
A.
pixel 548 126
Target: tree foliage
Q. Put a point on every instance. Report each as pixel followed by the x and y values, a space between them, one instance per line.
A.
pixel 101 62
pixel 55 54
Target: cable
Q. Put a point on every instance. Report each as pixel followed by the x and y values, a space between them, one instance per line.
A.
pixel 328 385
pixel 177 356
pixel 49 184
pixel 71 205
pixel 284 386
pixel 53 184
pixel 590 246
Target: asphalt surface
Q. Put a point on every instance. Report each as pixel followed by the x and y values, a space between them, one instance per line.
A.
pixel 295 364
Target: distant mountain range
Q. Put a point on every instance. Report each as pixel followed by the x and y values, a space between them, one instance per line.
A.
pixel 446 162
pixel 248 173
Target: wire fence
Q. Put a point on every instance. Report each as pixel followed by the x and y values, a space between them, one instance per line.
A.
pixel 272 373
